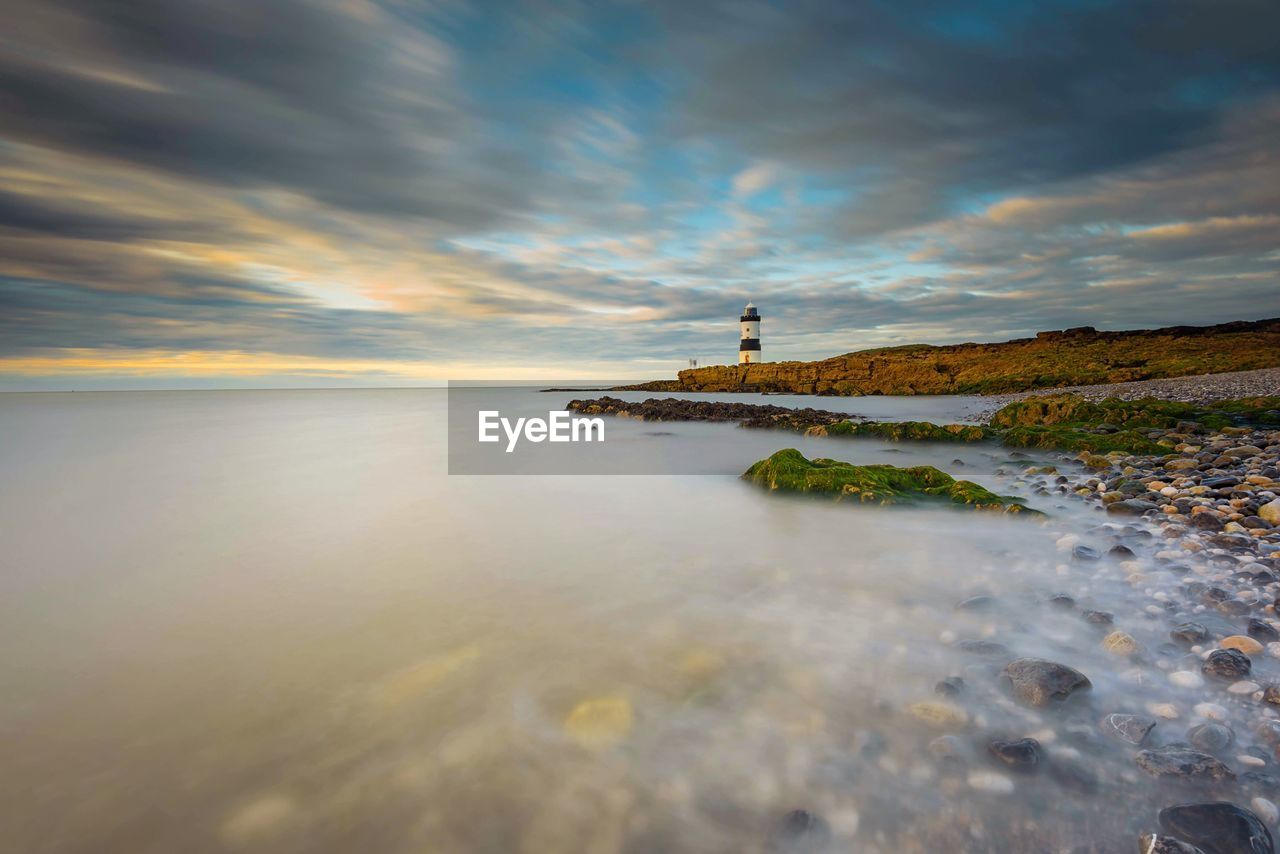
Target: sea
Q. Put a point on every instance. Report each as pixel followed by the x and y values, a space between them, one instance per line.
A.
pixel 272 621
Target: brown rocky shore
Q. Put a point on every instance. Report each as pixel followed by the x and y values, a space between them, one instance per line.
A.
pixel 1072 357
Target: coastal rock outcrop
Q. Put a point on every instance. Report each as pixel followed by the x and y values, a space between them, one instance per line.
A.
pixel 789 471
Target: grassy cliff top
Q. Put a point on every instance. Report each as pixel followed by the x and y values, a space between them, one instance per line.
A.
pixel 1071 357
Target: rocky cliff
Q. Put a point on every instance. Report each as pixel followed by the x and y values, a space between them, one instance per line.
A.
pixel 1080 356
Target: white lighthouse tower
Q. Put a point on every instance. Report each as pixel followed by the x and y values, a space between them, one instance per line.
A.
pixel 749 348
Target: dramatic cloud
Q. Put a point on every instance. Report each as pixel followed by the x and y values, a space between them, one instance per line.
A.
pixel 399 191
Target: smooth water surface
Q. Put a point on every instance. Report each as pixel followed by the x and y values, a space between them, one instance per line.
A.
pixel 269 621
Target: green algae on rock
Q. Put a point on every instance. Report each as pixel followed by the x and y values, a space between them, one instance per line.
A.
pixel 789 471
pixel 898 431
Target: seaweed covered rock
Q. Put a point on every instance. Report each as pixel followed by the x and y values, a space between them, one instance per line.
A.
pixel 897 431
pixel 789 471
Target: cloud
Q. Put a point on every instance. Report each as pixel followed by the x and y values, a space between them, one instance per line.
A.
pixel 321 186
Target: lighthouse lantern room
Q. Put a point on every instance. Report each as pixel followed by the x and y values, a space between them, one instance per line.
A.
pixel 749 348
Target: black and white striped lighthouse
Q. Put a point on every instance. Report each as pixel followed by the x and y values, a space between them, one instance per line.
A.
pixel 749 349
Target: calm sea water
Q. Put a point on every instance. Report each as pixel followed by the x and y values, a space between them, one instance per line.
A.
pixel 269 621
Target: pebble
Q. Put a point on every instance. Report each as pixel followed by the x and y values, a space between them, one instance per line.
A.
pixel 1131 728
pixel 1266 810
pixel 1186 679
pixel 1182 763
pixel 1168 711
pixel 1244 686
pixel 1120 643
pixel 1243 643
pixel 1022 755
pixel 1211 737
pixel 1212 711
pixel 1226 664
pixel 989 781
pixel 939 714
pixel 599 723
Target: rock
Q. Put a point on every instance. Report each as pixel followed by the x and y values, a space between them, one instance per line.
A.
pixel 1182 763
pixel 1243 643
pixel 1206 522
pixel 1063 601
pixel 1189 633
pixel 1271 694
pixel 1218 828
pixel 987 648
pixel 1186 679
pixel 1211 737
pixel 1270 512
pixel 952 686
pixel 989 781
pixel 980 602
pixel 1150 843
pixel 1212 711
pixel 801 831
pixel 1261 630
pixel 1131 728
pixel 1244 686
pixel 1098 618
pixel 1085 553
pixel 1040 683
pixel 939 714
pixel 948 750
pixel 600 723
pixel 1265 810
pixel 1130 507
pixel 1022 755
pixel 1120 552
pixel 1119 643
pixel 1229 664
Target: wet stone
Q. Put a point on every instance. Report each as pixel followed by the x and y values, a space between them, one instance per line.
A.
pixel 987 648
pixel 1271 695
pixel 1218 828
pixel 1038 682
pixel 975 603
pixel 1262 631
pixel 1174 761
pixel 1120 552
pixel 801 831
pixel 1211 737
pixel 1150 843
pixel 1022 755
pixel 952 686
pixel 1189 633
pixel 1131 728
pixel 1098 618
pixel 1085 552
pixel 1063 601
pixel 1231 664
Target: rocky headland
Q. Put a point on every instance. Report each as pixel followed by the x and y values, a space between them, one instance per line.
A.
pixel 1072 357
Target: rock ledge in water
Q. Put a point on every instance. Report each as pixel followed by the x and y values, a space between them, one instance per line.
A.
pixel 789 471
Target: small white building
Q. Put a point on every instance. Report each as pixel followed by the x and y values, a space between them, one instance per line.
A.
pixel 749 348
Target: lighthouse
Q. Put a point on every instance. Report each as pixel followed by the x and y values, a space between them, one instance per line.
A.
pixel 749 349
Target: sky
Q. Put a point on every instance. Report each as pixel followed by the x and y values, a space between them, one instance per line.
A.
pixel 278 193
